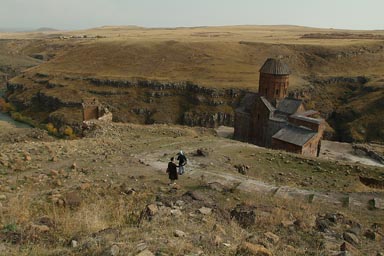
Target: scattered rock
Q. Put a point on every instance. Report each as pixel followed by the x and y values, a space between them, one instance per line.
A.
pixel 351 238
pixel 54 173
pixel 180 203
pixel 141 246
pixel 198 196
pixel 249 249
pixel 205 210
pixel 347 247
pixel 355 228
pixel 74 243
pixel 244 215
pixel 179 233
pixel 242 168
pixel 124 188
pixel 272 237
pixel 377 203
pixel 217 186
pixel 152 210
pixel 145 253
pixel 176 212
pixel 113 251
pixel 322 225
pixel 287 223
pixel 27 158
pixel 372 235
pixel 3 197
pixel 201 152
pixel 74 166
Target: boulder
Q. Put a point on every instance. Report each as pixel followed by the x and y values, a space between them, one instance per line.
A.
pixel 351 238
pixel 145 253
pixel 205 210
pixel 74 243
pixel 248 249
pixel 114 250
pixel 272 237
pixel 179 233
pixel 244 215
pixel 378 203
pixel 152 210
pixel 347 247
pixel 370 234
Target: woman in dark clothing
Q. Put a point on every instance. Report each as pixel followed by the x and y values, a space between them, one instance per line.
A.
pixel 172 171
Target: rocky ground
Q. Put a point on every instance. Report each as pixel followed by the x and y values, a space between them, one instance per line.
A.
pixel 108 194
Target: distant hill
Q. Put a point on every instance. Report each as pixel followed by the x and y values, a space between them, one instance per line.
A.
pixel 46 29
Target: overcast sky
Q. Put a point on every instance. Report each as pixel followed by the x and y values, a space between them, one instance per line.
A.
pixel 79 14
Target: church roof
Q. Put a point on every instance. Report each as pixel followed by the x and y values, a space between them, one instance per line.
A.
pixel 267 104
pixel 294 135
pixel 308 119
pixel 275 67
pixel 289 105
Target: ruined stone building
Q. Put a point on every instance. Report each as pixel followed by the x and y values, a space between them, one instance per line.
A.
pixel 93 110
pixel 270 118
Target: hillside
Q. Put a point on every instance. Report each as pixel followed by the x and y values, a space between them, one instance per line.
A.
pixel 196 76
pixel 108 194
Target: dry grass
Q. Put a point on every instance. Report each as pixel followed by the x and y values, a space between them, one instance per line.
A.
pixel 107 215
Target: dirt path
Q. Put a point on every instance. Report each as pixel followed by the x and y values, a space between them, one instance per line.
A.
pixel 333 150
pixel 252 185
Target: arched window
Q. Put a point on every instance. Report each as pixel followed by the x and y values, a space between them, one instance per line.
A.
pixel 277 91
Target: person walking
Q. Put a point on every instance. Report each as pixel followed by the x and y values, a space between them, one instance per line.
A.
pixel 172 171
pixel 182 162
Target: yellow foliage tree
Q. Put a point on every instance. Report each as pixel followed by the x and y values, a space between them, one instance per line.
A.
pixel 68 131
pixel 5 106
pixel 51 128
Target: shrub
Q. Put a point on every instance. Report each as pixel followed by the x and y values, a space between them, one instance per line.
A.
pixel 51 129
pixel 5 106
pixel 68 131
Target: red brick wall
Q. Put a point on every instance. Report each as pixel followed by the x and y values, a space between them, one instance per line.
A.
pixel 310 148
pixel 278 144
pixel 313 126
pixel 259 117
pixel 90 112
pixel 273 86
pixel 242 126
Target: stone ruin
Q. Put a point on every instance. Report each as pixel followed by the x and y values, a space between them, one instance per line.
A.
pixel 93 110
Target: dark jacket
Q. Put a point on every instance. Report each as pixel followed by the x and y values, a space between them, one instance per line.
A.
pixel 182 160
pixel 172 171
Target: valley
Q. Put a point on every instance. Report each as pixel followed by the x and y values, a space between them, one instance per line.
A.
pixel 197 76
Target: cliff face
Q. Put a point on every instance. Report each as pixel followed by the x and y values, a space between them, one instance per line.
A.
pixel 353 106
pixel 58 100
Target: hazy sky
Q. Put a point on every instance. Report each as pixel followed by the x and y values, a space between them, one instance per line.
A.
pixel 78 14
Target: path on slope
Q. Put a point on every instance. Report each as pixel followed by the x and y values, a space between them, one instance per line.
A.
pixel 252 185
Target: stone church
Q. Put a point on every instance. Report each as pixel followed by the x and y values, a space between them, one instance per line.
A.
pixel 271 119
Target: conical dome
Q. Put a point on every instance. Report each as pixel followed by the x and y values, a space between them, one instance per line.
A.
pixel 275 67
